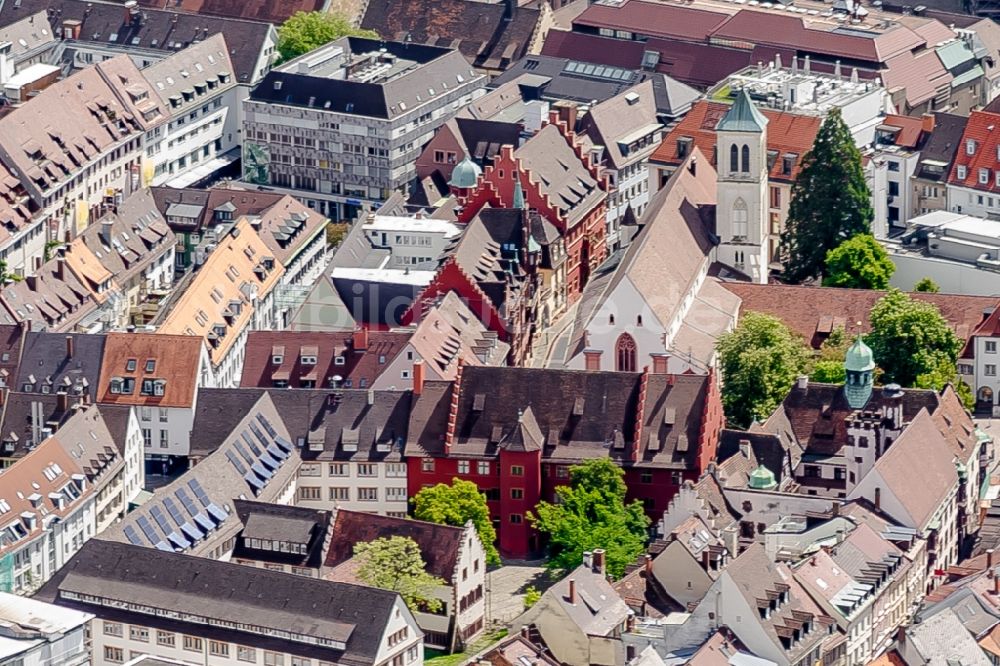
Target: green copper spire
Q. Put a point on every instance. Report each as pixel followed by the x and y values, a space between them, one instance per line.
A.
pixel 518 194
pixel 743 116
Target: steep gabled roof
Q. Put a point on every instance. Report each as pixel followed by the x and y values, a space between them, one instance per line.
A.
pixel 440 545
pixel 918 470
pixel 667 255
pixel 982 135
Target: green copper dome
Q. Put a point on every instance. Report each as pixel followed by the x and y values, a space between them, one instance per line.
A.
pixel 859 357
pixel 465 174
pixel 762 479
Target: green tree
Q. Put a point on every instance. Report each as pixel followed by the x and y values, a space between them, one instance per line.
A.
pixel 531 596
pixel 6 275
pixel 927 285
pixel 830 201
pixel 828 368
pixel 305 31
pixel 395 563
pixel 456 505
pixel 591 513
pixel 759 361
pixel 860 262
pixel 912 343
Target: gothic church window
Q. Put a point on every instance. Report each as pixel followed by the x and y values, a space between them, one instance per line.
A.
pixel 740 219
pixel 625 356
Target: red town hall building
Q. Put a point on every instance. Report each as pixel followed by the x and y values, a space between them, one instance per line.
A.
pixel 514 272
pixel 516 431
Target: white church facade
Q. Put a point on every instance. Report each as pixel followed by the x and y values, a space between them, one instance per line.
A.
pixel 660 304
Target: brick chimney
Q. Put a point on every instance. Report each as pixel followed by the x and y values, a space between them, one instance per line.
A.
pixel 360 341
pixel 599 565
pixel 660 362
pixel 69 346
pixel 592 359
pixel 647 561
pixel 418 377
pixel 572 591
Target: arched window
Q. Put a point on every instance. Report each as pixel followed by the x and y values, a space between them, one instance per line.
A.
pixel 734 156
pixel 625 349
pixel 746 158
pixel 740 219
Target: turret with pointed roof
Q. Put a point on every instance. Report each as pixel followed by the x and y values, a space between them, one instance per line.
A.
pixel 743 116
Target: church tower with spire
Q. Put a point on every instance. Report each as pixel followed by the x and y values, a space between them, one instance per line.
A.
pixel 741 210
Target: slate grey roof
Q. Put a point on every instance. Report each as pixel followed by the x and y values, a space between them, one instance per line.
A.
pixel 158 29
pixel 587 82
pixel 557 170
pixel 186 78
pixel 194 513
pixel 281 522
pixel 138 237
pixel 437 68
pixel 45 360
pixel 941 146
pixel 315 418
pixel 230 594
pixel 942 640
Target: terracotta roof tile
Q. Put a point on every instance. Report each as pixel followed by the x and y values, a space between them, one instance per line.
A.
pixel 440 545
pixel 360 363
pixel 151 356
pixel 982 131
pixel 788 134
pixel 813 314
pixel 232 272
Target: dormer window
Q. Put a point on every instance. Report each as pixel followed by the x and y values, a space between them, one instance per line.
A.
pixel 277 360
pixel 984 176
pixel 116 385
pixel 147 387
pixel 150 365
pixel 159 386
pixel 130 365
pixel 970 147
pixel 308 360
pixel 960 172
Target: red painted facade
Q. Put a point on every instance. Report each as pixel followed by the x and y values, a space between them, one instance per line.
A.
pixel 585 241
pixel 515 481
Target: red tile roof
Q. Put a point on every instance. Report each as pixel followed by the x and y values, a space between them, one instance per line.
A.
pixel 813 312
pixel 982 129
pixel 911 129
pixel 174 358
pixel 655 19
pixel 787 133
pixel 364 356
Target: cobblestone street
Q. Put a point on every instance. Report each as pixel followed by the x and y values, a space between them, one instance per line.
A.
pixel 506 587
